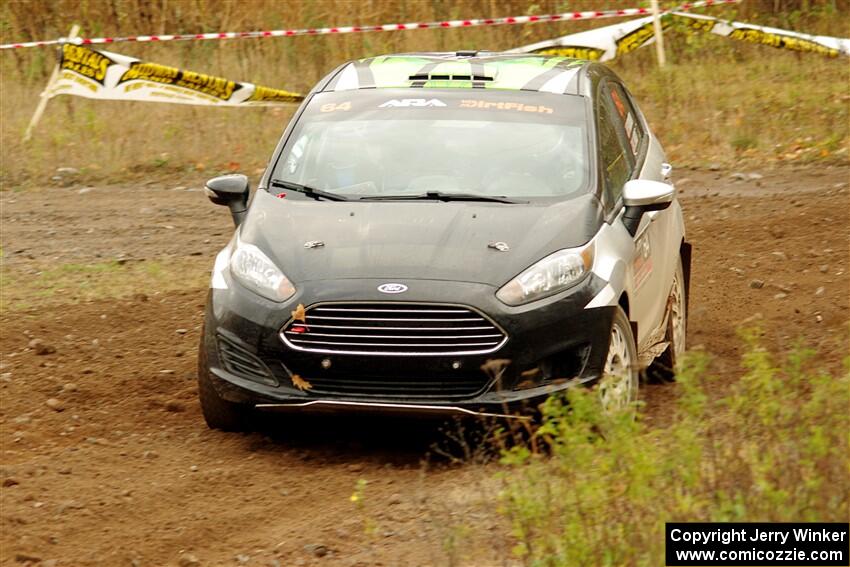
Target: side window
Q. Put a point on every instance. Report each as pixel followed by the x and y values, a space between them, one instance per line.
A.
pixel 626 112
pixel 615 155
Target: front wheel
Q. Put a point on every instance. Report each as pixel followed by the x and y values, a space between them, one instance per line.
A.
pixel 218 412
pixel 664 367
pixel 618 386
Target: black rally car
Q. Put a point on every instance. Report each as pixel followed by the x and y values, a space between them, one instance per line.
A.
pixel 450 232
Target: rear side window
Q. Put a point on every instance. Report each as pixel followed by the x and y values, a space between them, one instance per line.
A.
pixel 616 156
pixel 627 116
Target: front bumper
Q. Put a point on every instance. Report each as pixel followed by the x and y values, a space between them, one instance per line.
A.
pixel 552 344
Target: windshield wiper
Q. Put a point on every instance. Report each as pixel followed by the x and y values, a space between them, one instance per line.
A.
pixel 309 191
pixel 440 196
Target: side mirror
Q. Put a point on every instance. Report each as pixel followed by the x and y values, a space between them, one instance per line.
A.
pixel 231 191
pixel 641 196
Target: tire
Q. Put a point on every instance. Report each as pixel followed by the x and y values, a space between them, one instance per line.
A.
pixel 663 368
pixel 618 385
pixel 218 413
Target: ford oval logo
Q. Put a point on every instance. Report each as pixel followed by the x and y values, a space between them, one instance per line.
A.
pixel 392 288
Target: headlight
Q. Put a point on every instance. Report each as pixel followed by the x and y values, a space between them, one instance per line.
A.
pixel 254 270
pixel 552 274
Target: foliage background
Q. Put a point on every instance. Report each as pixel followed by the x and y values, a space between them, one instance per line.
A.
pixel 718 102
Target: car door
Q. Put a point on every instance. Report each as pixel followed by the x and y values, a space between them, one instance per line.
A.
pixel 665 228
pixel 627 153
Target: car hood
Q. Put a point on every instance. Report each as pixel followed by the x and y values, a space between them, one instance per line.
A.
pixel 408 240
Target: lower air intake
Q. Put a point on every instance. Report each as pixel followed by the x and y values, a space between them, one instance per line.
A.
pixel 239 361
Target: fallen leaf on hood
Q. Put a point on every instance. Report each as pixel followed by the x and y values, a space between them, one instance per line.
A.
pixel 495 366
pixel 300 314
pixel 300 383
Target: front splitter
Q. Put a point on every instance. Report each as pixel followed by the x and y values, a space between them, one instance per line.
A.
pixel 370 407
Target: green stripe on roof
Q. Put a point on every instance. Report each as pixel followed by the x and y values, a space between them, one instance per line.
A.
pixel 438 84
pixel 394 71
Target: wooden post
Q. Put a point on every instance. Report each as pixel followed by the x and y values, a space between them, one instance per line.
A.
pixel 659 34
pixel 42 103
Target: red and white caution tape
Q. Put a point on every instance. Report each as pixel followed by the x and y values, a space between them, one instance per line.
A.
pixel 566 16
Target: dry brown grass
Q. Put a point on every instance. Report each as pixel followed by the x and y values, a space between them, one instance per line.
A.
pixel 719 101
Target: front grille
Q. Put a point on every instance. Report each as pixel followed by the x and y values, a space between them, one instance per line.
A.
pixel 237 360
pixel 393 329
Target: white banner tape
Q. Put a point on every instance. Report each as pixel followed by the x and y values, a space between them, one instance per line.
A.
pixel 774 37
pixel 599 44
pixel 104 75
pixel 606 43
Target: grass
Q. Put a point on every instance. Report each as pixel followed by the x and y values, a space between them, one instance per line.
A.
pixel 725 111
pixel 594 489
pixel 73 283
pixel 718 102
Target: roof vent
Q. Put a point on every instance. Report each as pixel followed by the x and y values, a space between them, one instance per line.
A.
pixel 426 77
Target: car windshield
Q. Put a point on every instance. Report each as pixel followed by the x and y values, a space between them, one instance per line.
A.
pixel 387 142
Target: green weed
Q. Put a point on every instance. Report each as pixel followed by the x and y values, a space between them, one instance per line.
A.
pixel 358 498
pixel 774 449
pixel 743 142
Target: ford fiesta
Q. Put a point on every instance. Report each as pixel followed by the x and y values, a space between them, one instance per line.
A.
pixel 448 232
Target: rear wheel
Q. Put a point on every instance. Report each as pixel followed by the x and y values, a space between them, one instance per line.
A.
pixel 218 412
pixel 664 367
pixel 618 386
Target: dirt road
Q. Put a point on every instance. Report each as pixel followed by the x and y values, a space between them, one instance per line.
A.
pixel 105 457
